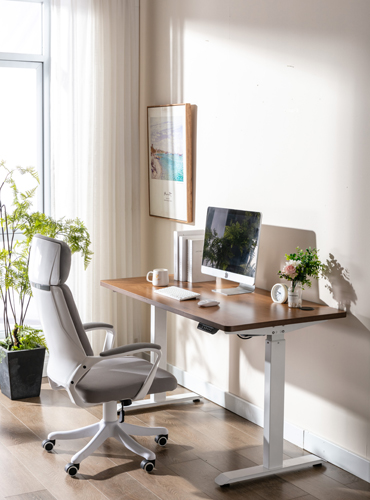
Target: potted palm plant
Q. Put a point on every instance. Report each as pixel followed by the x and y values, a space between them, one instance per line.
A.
pixel 22 350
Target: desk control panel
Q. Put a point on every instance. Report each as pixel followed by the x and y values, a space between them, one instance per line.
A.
pixel 206 328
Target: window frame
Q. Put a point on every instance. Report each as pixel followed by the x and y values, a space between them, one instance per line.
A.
pixel 40 62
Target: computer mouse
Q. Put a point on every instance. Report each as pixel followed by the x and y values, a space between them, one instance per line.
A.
pixel 208 303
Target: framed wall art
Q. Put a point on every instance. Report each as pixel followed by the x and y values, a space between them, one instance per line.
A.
pixel 170 162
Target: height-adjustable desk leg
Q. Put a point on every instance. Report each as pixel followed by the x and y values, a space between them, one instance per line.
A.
pixel 273 433
pixel 158 335
pixel 274 401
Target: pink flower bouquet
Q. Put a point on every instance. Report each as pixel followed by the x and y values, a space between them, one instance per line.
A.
pixel 301 266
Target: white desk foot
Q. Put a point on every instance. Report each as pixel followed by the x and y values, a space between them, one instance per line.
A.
pixel 259 471
pixel 152 402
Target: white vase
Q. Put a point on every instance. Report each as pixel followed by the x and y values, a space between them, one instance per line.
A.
pixel 295 295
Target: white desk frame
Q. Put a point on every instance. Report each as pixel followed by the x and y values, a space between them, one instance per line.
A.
pixel 273 462
pixel 158 335
pixel 273 431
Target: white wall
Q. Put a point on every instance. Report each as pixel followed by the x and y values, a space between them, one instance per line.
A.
pixel 281 117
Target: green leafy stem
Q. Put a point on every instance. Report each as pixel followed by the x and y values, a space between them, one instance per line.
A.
pixel 17 228
pixel 309 266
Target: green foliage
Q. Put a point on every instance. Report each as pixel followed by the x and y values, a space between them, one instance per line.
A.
pixel 216 250
pixel 24 337
pixel 235 242
pixel 309 266
pixel 17 228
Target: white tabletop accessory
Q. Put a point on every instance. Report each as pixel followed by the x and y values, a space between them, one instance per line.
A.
pixel 208 303
pixel 174 292
pixel 279 293
pixel 159 278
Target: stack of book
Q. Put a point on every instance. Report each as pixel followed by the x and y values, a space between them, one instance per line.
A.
pixel 188 253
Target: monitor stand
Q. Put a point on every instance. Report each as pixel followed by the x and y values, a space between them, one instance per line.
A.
pixel 237 290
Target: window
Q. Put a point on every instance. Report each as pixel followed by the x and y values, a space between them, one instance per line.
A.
pixel 24 89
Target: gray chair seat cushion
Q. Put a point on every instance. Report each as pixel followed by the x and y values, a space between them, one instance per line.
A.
pixel 117 379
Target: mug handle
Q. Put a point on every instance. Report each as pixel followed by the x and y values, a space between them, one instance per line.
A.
pixel 147 277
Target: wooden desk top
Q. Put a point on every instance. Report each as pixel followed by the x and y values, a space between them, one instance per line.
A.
pixel 235 313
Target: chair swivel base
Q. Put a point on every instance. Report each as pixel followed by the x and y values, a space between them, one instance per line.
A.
pixel 108 427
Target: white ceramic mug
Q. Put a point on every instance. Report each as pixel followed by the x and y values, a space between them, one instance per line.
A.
pixel 160 277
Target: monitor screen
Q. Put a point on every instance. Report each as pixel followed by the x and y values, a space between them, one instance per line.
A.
pixel 231 244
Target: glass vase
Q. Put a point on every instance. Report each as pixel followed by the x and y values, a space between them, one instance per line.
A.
pixel 295 295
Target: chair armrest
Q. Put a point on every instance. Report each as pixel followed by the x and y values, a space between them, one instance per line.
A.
pixel 130 347
pixel 109 335
pixel 97 326
pixel 135 348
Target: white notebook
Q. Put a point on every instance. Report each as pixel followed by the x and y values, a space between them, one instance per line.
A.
pixel 194 261
pixel 176 260
pixel 182 257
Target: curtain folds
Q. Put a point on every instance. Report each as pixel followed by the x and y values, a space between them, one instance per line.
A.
pixel 95 148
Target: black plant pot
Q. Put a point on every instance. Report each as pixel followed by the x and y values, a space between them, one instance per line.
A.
pixel 21 372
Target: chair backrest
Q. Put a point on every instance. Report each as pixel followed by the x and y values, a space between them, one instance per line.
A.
pixel 49 266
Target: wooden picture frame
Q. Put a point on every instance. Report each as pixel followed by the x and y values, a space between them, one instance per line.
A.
pixel 170 162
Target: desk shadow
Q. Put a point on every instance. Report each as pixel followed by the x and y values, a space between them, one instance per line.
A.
pixel 130 462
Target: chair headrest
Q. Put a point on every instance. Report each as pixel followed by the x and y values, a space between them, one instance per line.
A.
pixel 50 261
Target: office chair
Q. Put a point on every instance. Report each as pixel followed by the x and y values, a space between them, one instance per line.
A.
pixel 114 375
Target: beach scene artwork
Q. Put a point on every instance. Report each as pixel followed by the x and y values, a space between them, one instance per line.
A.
pixel 170 162
pixel 166 136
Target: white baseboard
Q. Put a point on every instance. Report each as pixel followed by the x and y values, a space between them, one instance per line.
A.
pixel 338 456
pixel 332 453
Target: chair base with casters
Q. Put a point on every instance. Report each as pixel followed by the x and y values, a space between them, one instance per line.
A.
pixel 109 426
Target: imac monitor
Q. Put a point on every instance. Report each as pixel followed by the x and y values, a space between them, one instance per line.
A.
pixel 231 247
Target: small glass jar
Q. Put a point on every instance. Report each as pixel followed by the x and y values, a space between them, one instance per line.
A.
pixel 295 295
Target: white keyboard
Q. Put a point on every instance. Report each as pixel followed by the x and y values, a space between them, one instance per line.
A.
pixel 174 292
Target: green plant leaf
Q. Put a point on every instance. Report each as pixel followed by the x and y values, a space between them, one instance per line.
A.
pixel 18 226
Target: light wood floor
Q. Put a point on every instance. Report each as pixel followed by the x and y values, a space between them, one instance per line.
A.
pixel 204 440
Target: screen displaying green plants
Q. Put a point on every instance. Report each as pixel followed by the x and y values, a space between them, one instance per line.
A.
pixel 231 240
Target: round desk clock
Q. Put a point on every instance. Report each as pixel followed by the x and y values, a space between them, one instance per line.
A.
pixel 279 293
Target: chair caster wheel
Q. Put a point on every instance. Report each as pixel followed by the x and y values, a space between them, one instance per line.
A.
pixel 161 439
pixel 48 444
pixel 318 465
pixel 72 469
pixel 196 400
pixel 225 485
pixel 147 465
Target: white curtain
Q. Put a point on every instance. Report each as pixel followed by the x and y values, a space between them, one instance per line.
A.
pixel 95 148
